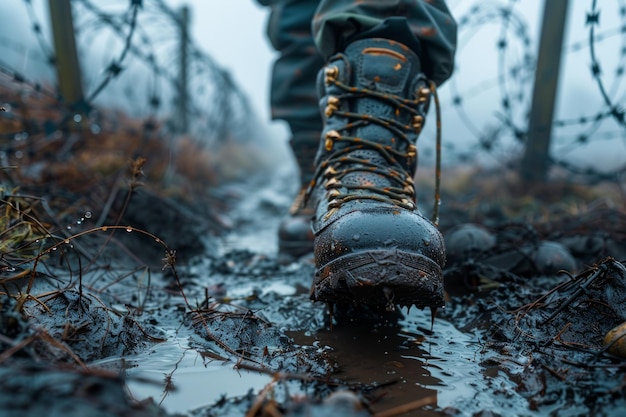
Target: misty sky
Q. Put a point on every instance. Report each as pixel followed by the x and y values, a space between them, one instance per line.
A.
pixel 233 32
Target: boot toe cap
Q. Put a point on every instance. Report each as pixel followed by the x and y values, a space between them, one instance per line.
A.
pixel 364 230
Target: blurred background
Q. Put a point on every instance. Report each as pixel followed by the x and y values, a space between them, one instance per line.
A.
pixel 167 101
pixel 201 68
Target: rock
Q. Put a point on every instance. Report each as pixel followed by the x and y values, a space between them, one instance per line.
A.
pixel 466 241
pixel 615 340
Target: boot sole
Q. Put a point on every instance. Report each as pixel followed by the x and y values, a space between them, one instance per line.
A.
pixel 380 277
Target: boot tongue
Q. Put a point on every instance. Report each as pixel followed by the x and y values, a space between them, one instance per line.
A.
pixel 382 65
pixel 386 67
pixel 389 68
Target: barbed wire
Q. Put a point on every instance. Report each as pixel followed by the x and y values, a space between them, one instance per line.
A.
pixel 501 135
pixel 144 38
pixel 610 111
pixel 509 79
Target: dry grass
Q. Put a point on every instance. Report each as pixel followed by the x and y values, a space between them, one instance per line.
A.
pixel 480 193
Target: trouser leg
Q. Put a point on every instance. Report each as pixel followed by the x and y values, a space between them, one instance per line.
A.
pixel 426 27
pixel 293 95
pixel 308 32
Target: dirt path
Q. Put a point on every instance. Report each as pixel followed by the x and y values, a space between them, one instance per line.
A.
pixel 245 339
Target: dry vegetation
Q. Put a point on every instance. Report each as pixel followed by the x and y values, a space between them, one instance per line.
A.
pixel 68 193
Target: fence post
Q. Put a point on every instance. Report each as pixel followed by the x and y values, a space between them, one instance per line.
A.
pixel 183 81
pixel 534 167
pixel 66 57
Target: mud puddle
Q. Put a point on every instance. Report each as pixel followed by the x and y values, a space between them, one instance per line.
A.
pixel 390 363
pixel 404 362
pixel 394 365
pixel 243 338
pixel 180 379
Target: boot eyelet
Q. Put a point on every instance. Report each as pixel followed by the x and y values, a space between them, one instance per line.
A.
pixel 331 73
pixel 331 106
pixel 411 151
pixel 331 137
pixel 423 92
pixel 332 194
pixel 332 183
pixel 329 172
pixel 423 95
pixel 329 213
pixel 417 122
pixel 408 203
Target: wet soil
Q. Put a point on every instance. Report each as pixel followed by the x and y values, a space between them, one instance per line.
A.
pixel 231 331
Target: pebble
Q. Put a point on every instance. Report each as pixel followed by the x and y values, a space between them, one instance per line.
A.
pixel 615 340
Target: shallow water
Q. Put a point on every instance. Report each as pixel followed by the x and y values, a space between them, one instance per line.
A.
pixel 179 379
pixel 394 363
pixel 399 363
pixel 406 359
pixel 410 362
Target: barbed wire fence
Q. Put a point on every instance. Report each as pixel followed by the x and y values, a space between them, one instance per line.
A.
pixel 492 113
pixel 143 42
pixel 131 55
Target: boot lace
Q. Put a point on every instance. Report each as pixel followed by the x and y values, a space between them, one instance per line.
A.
pixel 340 163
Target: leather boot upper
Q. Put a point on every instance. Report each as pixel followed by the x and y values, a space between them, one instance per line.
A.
pixel 374 98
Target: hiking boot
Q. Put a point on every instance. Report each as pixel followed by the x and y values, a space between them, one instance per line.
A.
pixel 372 245
pixel 295 236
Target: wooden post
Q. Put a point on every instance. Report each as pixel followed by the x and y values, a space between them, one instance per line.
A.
pixel 66 57
pixel 535 161
pixel 183 81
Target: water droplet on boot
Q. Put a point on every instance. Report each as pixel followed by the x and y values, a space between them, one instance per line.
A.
pixel 356 237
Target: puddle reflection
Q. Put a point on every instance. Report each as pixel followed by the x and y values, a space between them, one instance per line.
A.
pixel 194 381
pixel 407 362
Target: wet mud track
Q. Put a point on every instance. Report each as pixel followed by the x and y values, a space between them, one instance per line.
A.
pixel 516 337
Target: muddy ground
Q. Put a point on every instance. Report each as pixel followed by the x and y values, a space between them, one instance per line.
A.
pixel 134 320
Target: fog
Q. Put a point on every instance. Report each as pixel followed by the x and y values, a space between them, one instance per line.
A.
pixel 233 33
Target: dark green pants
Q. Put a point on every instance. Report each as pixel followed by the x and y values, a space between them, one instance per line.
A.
pixel 307 32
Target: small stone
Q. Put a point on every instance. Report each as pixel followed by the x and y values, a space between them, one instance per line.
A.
pixel 615 340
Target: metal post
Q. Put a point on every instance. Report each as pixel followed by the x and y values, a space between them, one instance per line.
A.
pixel 535 161
pixel 183 89
pixel 66 57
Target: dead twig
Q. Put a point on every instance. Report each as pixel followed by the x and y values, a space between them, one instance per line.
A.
pixel 408 407
pixel 260 398
pixel 553 372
